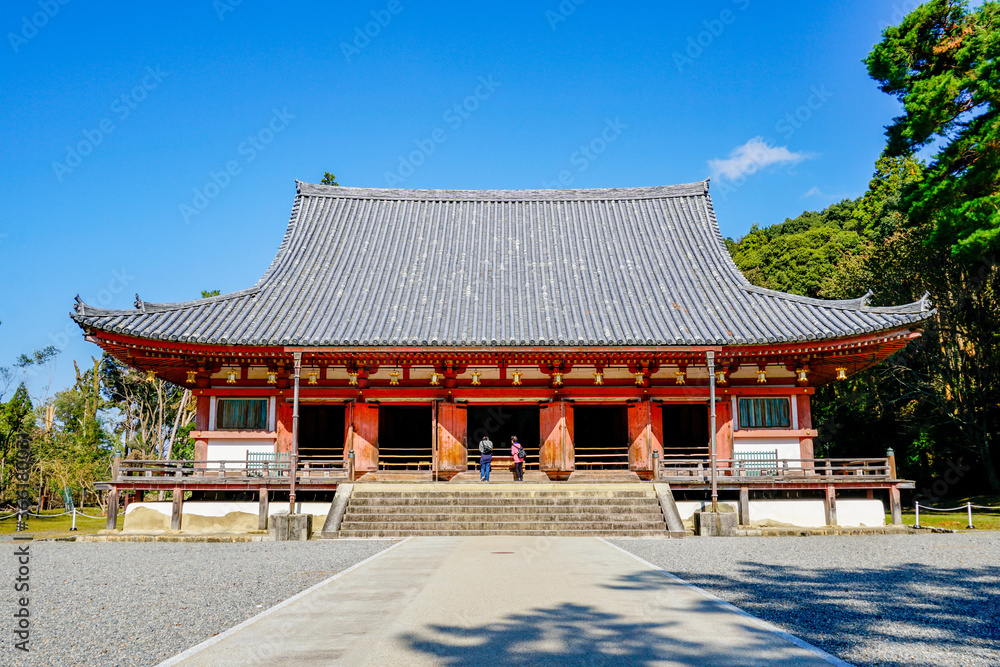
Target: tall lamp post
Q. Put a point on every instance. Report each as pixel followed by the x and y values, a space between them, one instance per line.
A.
pixel 294 465
pixel 711 411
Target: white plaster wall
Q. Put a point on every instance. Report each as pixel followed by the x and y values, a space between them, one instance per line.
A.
pixel 860 512
pixel 236 450
pixel 805 513
pixel 687 508
pixel 788 448
pixel 220 508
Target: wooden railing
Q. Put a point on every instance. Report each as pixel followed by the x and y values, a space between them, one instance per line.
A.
pixel 600 458
pixel 130 469
pixel 770 470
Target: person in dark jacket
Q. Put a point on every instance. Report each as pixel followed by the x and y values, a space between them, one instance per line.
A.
pixel 517 453
pixel 485 458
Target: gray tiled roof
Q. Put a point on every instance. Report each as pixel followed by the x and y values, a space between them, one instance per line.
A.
pixel 377 267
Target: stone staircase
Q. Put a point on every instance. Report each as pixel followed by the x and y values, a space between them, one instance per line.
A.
pixel 555 509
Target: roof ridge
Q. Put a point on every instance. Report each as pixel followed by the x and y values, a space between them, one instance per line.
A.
pixel 861 303
pixel 85 310
pixel 697 188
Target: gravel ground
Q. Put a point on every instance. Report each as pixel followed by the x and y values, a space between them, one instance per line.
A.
pixel 140 603
pixel 873 600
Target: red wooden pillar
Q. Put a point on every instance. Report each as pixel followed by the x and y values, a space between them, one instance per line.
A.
pixel 724 430
pixel 804 410
pixel 452 427
pixel 365 437
pixel 643 440
pixel 555 454
pixel 204 405
pixel 284 426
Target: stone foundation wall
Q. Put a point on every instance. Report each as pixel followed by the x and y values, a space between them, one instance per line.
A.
pixel 805 513
pixel 205 516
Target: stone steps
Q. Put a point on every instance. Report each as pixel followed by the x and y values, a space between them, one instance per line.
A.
pixel 610 510
pixel 500 503
pixel 541 513
pixel 505 491
pixel 547 532
pixel 491 526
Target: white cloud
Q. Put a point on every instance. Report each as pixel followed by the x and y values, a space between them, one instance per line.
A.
pixel 814 191
pixel 751 157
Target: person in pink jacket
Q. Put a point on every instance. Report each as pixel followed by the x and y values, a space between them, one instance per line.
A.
pixel 517 453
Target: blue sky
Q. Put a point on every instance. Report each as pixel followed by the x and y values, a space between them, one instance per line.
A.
pixel 153 149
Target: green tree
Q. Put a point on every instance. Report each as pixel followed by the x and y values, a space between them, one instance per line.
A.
pixel 329 179
pixel 800 254
pixel 941 62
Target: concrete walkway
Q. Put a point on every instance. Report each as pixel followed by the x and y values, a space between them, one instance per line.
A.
pixel 499 601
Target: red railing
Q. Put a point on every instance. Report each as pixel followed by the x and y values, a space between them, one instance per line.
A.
pixel 771 470
pixel 127 470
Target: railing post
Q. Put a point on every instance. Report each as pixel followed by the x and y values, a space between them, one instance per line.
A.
pixel 175 513
pixel 916 508
pixel 970 526
pixel 350 465
pixel 656 466
pixel 112 508
pixel 892 462
pixel 262 509
pixel 222 468
pixel 894 506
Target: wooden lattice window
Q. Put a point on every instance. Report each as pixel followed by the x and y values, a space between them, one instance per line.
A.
pixel 765 413
pixel 244 414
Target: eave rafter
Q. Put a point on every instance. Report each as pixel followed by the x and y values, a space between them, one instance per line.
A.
pixel 172 361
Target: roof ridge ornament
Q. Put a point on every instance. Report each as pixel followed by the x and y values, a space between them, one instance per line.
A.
pixel 139 303
pixel 925 301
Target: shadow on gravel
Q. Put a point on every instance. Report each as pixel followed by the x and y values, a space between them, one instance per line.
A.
pixel 946 611
pixel 571 634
